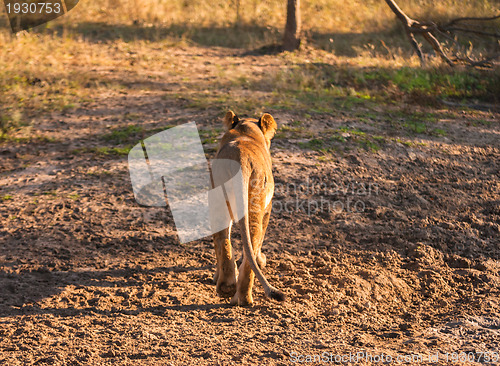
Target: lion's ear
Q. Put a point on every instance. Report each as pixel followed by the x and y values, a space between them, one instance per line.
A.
pixel 268 125
pixel 230 120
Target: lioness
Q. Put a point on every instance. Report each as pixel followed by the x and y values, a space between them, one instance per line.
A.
pixel 247 142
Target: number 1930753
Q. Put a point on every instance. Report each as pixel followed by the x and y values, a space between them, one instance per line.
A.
pixel 33 8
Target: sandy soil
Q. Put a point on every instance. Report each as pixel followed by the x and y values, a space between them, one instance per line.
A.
pixel 388 253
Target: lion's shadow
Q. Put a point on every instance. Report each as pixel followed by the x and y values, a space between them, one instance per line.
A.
pixel 26 292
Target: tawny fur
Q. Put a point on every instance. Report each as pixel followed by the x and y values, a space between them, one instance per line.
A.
pixel 247 142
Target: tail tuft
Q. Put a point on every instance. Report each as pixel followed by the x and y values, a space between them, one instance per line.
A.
pixel 277 295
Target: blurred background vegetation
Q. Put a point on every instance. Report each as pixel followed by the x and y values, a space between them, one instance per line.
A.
pixel 260 21
pixel 352 49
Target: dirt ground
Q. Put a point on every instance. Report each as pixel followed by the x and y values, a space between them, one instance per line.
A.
pixel 387 253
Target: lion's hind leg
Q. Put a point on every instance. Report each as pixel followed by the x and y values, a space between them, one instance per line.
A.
pixel 225 274
pixel 246 277
pixel 259 256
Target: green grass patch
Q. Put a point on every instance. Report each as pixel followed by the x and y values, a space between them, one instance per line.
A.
pixel 74 196
pixel 52 194
pixel 22 96
pixel 416 127
pixel 287 131
pixel 344 138
pixel 29 139
pixel 324 158
pixel 352 131
pixel 104 150
pixel 7 197
pixel 132 134
pixel 123 134
pixel 436 82
pixel 293 129
pixel 314 144
pixel 409 143
pixel 439 132
pixel 356 86
pixel 371 145
pixel 9 120
pixel 312 88
pixel 210 136
pixel 417 123
pixel 482 122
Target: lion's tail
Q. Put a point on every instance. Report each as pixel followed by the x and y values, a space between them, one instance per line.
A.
pixel 269 290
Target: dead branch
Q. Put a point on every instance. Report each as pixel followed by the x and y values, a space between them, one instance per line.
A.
pixel 481 19
pixel 428 31
pixel 467 30
pixel 413 26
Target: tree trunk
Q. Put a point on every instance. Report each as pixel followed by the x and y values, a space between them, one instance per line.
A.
pixel 291 40
pixel 238 18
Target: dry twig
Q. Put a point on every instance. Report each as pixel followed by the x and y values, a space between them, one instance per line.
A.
pixel 426 30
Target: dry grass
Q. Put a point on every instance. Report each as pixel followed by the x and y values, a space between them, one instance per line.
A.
pixel 42 73
pixel 318 15
pixel 62 64
pixel 47 72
